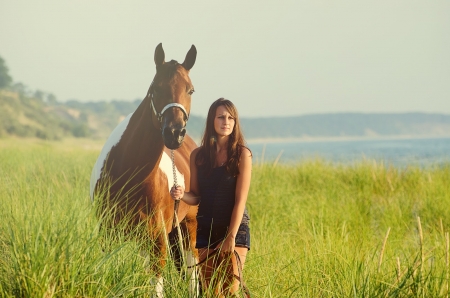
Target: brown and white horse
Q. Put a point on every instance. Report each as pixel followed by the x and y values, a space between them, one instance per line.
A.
pixel 133 174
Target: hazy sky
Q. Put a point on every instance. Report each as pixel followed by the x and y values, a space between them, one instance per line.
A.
pixel 271 58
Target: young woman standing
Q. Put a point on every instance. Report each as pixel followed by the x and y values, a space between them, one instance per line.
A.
pixel 220 181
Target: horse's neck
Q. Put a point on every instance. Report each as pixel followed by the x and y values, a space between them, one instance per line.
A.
pixel 141 145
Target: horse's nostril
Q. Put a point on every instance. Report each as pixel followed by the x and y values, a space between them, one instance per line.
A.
pixel 173 136
pixel 168 132
pixel 179 133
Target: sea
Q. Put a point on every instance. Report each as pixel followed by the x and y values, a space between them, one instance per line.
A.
pixel 395 152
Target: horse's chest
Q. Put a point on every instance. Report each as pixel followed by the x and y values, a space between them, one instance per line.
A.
pixel 169 172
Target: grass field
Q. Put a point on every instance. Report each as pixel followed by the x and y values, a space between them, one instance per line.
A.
pixel 318 230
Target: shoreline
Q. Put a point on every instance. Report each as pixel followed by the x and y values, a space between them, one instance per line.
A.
pixel 342 139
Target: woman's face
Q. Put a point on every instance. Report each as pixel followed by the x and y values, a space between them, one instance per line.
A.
pixel 223 122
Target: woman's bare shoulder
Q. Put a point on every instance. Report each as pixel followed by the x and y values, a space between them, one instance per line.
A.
pixel 246 152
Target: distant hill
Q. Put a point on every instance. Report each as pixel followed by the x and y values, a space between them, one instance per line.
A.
pixel 102 117
pixel 27 116
pixel 23 115
pixel 348 125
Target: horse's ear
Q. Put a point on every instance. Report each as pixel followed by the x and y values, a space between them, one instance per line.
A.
pixel 189 61
pixel 159 55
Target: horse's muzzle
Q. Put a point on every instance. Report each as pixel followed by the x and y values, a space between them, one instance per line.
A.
pixel 173 136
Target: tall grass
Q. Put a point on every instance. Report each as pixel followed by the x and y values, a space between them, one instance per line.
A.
pixel 318 230
pixel 327 230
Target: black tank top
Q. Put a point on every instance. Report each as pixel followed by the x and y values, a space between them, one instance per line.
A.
pixel 217 196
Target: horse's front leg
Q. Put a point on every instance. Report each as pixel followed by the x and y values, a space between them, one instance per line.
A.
pixel 152 265
pixel 184 253
pixel 190 223
pixel 157 252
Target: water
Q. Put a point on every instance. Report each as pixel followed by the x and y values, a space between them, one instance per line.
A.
pixel 398 152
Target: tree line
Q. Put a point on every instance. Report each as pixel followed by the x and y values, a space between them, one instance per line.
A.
pixel 35 113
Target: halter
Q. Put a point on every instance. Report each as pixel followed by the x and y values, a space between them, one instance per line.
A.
pixel 166 107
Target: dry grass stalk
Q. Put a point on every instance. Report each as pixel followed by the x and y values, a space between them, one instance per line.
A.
pixel 262 155
pixel 278 158
pixel 382 248
pixel 447 257
pixel 419 227
pixel 398 269
pixel 388 179
pixel 446 250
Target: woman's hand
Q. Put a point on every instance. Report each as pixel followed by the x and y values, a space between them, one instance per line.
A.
pixel 177 192
pixel 227 245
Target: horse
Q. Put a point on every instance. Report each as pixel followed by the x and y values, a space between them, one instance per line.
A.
pixel 133 174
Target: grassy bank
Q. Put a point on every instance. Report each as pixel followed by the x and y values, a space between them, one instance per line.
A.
pixel 318 230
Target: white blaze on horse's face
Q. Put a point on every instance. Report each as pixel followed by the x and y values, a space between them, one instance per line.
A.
pixel 170 94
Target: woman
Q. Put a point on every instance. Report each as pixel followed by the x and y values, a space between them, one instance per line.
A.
pixel 220 181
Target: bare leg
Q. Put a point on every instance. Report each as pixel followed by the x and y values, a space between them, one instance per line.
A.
pixel 220 271
pixel 234 280
pixel 206 267
pixel 242 252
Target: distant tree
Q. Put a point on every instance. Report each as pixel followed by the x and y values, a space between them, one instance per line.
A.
pixel 20 88
pixel 5 78
pixel 39 94
pixel 80 131
pixel 84 117
pixel 51 99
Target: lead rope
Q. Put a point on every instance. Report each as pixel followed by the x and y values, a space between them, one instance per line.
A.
pixel 244 288
pixel 176 223
pixel 175 184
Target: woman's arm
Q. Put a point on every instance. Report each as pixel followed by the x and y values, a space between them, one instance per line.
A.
pixel 242 188
pixel 191 197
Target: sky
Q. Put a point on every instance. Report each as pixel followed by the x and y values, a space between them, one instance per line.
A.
pixel 271 58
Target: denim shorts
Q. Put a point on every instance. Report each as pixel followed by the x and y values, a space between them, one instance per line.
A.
pixel 210 237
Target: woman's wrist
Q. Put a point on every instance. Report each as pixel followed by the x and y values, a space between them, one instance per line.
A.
pixel 231 236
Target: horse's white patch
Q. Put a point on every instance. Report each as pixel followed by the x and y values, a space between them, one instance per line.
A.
pixel 191 262
pixel 158 283
pixel 112 140
pixel 165 164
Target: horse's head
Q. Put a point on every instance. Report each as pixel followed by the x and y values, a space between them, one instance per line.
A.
pixel 170 96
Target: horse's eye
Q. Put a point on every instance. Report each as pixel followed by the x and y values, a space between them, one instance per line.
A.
pixel 191 91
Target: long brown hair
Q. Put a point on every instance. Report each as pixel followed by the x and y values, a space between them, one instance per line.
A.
pixel 206 156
